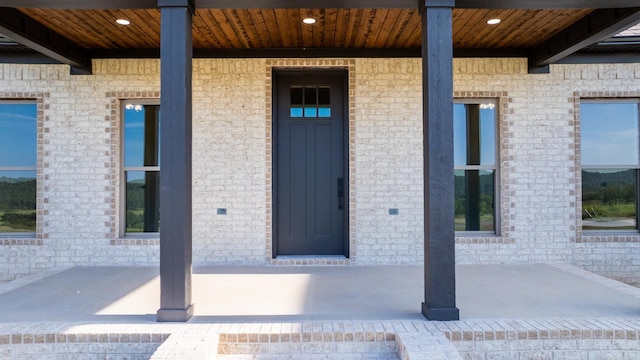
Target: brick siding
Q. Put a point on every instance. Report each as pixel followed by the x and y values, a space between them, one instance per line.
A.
pixel 79 163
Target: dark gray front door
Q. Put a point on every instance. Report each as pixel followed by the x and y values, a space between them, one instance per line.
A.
pixel 310 183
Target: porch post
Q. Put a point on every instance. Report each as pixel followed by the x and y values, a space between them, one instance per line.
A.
pixel 176 52
pixel 437 92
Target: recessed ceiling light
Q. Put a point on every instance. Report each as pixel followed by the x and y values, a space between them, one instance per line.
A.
pixel 123 21
pixel 309 21
pixel 494 21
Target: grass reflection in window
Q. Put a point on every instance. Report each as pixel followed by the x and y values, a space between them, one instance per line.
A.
pixel 17 201
pixel 609 199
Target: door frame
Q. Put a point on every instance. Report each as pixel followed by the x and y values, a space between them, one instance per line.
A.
pixel 276 74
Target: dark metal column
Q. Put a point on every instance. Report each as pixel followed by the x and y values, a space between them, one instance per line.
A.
pixel 175 170
pixel 437 88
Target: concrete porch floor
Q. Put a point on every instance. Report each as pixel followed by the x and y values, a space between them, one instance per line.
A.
pixel 339 313
pixel 286 294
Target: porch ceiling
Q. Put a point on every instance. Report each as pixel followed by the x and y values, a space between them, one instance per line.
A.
pixel 544 31
pixel 283 28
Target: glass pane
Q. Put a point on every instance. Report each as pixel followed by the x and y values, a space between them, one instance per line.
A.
pixel 142 201
pixel 296 112
pixel 609 199
pixel 141 135
pixel 310 96
pixel 609 133
pixel 324 96
pixel 296 96
pixel 310 112
pixel 474 200
pixel 18 134
pixel 324 102
pixel 474 132
pixel 487 135
pixel 17 201
pixel 459 135
pixel 324 112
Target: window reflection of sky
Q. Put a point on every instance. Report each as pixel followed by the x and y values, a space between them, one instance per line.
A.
pixel 609 133
pixel 18 138
pixel 487 136
pixel 133 137
pixel 134 128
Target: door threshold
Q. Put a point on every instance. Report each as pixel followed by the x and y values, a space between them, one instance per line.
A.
pixel 316 260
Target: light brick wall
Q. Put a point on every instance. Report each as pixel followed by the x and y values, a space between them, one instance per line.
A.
pixel 388 152
pixel 77 163
pixel 229 170
pixel 81 164
pixel 539 166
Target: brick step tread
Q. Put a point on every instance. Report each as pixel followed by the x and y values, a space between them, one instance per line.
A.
pixel 306 356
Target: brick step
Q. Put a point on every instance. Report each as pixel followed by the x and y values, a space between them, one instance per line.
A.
pixel 322 349
pixel 299 356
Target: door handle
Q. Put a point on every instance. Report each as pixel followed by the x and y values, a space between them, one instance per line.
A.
pixel 340 193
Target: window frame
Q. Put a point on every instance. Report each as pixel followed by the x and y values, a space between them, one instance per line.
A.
pixel 124 169
pixel 495 168
pixel 26 234
pixel 635 167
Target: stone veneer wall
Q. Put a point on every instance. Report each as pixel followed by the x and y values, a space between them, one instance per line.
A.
pixel 79 164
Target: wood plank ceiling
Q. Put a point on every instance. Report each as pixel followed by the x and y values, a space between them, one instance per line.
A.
pixel 283 28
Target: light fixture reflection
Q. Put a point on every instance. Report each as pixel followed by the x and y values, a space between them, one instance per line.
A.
pixel 134 107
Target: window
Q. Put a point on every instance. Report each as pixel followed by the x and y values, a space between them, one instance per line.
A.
pixel 18 156
pixel 610 164
pixel 141 170
pixel 310 102
pixel 474 129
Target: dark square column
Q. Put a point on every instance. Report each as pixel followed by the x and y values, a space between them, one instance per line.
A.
pixel 176 52
pixel 437 88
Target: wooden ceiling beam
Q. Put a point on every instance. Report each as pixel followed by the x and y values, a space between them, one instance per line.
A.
pixel 326 4
pixel 28 32
pixel 595 27
pixel 577 58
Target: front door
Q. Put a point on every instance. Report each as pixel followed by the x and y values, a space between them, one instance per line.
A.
pixel 310 183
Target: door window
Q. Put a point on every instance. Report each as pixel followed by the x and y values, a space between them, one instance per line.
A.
pixel 310 102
